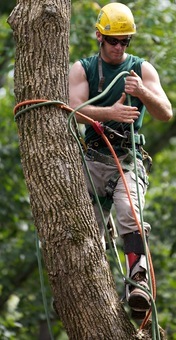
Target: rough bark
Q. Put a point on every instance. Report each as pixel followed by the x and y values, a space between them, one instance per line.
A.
pixel 83 289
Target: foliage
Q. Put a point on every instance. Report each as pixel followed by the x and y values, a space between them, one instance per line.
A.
pixel 21 307
pixel 161 213
pixel 6 48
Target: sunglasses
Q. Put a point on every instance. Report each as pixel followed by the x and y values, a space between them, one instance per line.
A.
pixel 114 41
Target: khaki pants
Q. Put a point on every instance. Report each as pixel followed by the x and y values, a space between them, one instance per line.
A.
pixel 101 173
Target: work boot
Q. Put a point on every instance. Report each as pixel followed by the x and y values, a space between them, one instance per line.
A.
pixel 138 316
pixel 139 300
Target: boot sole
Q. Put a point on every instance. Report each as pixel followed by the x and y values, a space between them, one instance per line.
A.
pixel 138 315
pixel 139 300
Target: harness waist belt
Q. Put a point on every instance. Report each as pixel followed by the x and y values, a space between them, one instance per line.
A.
pixel 116 139
pixel 94 155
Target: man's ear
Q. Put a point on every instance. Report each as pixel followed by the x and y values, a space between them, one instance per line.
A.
pixel 99 37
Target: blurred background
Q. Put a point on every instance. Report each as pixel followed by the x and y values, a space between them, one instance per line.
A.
pixel 22 314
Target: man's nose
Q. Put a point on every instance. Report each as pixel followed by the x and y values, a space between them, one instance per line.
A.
pixel 118 45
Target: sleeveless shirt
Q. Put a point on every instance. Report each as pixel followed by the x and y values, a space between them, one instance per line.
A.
pixel 90 65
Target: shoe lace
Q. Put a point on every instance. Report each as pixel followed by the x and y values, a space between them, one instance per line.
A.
pixel 139 277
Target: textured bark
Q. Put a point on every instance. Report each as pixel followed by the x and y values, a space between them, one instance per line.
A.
pixel 83 289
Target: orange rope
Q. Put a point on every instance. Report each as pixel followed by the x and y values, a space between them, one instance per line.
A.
pixel 37 101
pixel 137 222
pixel 100 131
pixel 28 102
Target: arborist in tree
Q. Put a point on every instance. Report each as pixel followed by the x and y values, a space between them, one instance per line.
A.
pixel 90 76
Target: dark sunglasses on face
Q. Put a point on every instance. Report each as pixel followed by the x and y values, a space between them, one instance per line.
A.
pixel 114 41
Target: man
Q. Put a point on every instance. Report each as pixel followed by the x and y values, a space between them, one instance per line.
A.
pixel 89 77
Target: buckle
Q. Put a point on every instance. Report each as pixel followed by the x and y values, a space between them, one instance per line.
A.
pixel 139 139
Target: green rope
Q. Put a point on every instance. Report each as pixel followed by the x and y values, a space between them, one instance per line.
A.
pixel 34 106
pixel 43 286
pixel 115 259
pixel 154 312
pixel 99 96
pixel 71 115
pixel 155 328
pixel 156 335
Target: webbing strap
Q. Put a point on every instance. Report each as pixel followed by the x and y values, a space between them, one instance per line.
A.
pixel 105 201
pixel 100 71
pixel 133 243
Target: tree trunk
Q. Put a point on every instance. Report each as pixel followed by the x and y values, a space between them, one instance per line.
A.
pixel 82 286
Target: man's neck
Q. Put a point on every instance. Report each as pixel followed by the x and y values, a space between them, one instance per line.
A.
pixel 113 61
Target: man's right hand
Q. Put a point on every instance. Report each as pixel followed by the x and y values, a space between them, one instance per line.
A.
pixel 123 113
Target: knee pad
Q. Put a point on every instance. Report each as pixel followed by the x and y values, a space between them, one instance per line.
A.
pixel 133 243
pixel 134 253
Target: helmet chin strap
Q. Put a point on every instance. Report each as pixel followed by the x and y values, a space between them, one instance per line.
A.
pixel 100 68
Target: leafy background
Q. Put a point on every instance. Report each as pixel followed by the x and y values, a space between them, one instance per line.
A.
pixel 22 314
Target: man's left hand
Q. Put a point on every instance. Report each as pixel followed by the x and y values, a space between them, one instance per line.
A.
pixel 133 84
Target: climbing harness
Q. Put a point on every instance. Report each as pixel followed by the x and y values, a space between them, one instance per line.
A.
pixel 100 131
pixel 116 137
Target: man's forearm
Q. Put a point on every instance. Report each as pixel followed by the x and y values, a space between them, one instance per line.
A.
pixel 96 113
pixel 159 107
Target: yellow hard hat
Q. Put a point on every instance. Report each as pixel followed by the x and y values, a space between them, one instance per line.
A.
pixel 116 19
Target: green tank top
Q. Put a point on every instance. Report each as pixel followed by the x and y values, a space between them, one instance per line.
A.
pixel 90 66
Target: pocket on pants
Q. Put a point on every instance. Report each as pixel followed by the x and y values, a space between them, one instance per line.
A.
pixel 142 180
pixel 142 174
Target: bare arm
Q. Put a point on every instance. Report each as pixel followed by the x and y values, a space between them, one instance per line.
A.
pixel 79 93
pixel 149 91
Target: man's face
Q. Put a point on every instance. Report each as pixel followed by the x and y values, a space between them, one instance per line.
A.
pixel 113 47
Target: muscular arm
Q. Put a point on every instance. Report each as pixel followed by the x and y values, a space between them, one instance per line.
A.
pixel 149 91
pixel 79 93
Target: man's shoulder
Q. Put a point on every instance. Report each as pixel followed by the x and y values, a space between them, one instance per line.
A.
pixel 89 59
pixel 135 58
pixel 135 63
pixel 89 62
